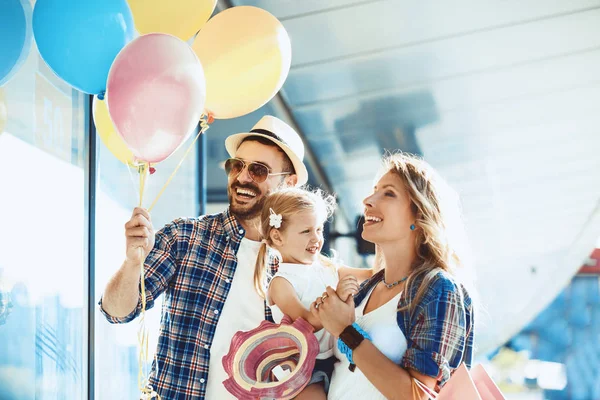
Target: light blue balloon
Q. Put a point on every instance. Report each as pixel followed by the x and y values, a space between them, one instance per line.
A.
pixel 79 39
pixel 15 36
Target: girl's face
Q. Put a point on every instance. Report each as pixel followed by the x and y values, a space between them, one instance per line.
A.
pixel 302 240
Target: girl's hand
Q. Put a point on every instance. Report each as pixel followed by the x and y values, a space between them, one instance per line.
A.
pixel 335 314
pixel 347 286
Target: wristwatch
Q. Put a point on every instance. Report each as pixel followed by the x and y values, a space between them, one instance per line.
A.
pixel 351 337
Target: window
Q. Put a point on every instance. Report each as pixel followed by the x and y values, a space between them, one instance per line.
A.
pixel 43 313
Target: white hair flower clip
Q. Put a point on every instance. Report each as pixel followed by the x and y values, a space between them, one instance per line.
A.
pixel 275 219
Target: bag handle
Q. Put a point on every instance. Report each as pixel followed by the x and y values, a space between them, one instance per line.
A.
pixel 417 384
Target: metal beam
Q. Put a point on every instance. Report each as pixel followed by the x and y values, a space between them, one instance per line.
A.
pixel 90 172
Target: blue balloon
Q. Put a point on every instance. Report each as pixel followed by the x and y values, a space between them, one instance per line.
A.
pixel 15 36
pixel 79 39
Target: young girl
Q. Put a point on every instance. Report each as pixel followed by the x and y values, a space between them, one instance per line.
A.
pixel 292 224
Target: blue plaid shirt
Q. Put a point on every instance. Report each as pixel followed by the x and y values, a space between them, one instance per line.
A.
pixel 193 262
pixel 439 333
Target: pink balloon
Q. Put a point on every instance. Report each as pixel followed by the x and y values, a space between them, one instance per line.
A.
pixel 155 95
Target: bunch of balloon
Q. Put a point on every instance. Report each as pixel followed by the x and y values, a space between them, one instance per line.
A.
pixel 245 54
pixel 15 36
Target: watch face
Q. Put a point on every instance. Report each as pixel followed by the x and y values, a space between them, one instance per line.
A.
pixel 351 337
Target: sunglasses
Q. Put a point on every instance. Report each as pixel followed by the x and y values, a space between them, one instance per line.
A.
pixel 258 172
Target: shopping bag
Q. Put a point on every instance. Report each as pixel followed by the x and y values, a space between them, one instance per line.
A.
pixel 460 386
pixel 463 385
pixel 485 385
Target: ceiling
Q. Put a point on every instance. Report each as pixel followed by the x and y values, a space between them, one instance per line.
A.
pixel 501 97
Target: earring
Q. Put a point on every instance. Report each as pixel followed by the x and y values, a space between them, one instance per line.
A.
pixel 412 227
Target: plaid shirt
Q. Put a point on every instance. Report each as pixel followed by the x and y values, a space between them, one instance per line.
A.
pixel 193 261
pixel 439 333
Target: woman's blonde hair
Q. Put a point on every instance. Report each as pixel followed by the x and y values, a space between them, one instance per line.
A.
pixel 440 242
pixel 288 202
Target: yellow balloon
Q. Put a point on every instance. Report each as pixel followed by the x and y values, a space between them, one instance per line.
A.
pixel 181 18
pixel 246 55
pixel 3 111
pixel 108 133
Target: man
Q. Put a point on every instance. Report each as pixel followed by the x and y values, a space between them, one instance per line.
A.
pixel 205 267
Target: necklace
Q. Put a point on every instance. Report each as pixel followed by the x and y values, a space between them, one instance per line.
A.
pixel 391 285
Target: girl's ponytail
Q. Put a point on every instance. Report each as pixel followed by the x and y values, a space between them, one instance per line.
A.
pixel 260 278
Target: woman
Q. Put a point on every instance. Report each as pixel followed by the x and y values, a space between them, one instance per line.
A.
pixel 413 318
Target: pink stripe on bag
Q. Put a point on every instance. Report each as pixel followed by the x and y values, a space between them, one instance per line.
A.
pixel 485 385
pixel 465 385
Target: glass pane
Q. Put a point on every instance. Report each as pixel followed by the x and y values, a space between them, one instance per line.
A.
pixel 43 314
pixel 117 195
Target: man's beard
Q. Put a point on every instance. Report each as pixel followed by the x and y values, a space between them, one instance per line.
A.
pixel 242 212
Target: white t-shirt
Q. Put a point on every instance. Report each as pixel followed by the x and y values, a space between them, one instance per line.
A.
pixel 381 324
pixel 243 310
pixel 309 282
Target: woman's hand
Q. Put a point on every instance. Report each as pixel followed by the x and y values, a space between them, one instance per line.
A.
pixel 347 286
pixel 335 314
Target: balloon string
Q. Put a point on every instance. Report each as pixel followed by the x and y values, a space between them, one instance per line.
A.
pixel 146 389
pixel 143 169
pixel 133 185
pixel 204 125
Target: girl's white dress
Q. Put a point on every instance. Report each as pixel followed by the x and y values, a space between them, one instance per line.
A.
pixel 309 282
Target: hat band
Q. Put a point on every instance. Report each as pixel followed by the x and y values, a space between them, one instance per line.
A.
pixel 268 133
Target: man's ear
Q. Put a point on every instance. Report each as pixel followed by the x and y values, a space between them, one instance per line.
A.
pixel 291 180
pixel 276 237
